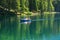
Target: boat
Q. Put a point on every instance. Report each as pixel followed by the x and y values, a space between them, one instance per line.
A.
pixel 25 20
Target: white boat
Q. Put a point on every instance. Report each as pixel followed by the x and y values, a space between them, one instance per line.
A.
pixel 25 20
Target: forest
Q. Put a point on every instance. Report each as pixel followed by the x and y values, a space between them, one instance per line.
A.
pixel 28 5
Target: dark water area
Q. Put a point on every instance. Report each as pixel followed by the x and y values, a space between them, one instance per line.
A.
pixel 43 27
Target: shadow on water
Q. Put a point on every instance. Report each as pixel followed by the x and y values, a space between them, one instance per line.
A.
pixel 38 29
pixel 7 27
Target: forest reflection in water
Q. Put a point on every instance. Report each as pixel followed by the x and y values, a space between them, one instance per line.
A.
pixel 48 28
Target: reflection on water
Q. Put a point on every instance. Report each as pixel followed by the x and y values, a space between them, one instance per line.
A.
pixel 43 27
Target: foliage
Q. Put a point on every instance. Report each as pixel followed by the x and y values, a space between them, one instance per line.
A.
pixel 28 5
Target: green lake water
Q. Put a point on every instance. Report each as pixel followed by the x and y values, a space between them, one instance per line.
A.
pixel 42 27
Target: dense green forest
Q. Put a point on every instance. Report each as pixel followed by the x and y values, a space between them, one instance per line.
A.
pixel 28 5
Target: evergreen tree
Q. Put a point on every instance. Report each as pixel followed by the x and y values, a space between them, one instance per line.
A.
pixel 28 5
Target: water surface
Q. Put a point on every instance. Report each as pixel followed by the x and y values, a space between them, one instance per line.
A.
pixel 43 27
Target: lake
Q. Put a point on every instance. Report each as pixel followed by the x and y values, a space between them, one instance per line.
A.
pixel 42 27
